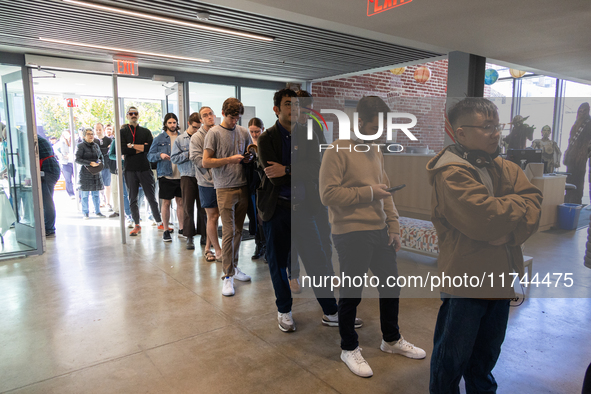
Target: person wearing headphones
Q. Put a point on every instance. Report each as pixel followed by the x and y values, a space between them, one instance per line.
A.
pixel 483 208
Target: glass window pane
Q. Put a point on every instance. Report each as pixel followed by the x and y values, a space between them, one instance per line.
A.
pixel 258 103
pixel 210 95
pixel 538 102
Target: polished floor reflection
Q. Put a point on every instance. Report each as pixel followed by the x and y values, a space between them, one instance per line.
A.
pixel 94 316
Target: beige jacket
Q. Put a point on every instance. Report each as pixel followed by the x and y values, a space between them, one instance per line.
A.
pixel 345 184
pixel 471 207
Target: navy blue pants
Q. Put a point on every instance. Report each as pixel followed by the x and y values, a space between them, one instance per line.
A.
pixel 278 233
pixel 467 342
pixel 47 187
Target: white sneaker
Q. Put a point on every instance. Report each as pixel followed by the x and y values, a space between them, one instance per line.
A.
pixel 130 224
pixel 241 276
pixel 286 323
pixel 333 321
pixel 403 347
pixel 356 362
pixel 228 287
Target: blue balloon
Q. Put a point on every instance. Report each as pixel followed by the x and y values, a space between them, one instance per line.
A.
pixel 490 76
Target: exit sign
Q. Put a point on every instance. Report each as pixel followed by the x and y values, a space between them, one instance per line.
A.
pixel 71 102
pixel 125 67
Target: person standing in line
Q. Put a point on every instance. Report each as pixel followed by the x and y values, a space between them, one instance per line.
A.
pixel 66 160
pixel 104 144
pixel 51 173
pixel 224 152
pixel 115 183
pixel 89 156
pixel 255 223
pixel 189 187
pixel 135 144
pixel 207 194
pixel 169 176
pixel 576 155
pixel 366 234
pixel 283 191
pixel 483 208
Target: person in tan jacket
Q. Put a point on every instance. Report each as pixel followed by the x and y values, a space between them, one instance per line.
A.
pixel 366 234
pixel 484 209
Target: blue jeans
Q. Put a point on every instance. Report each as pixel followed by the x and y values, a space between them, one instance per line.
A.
pixel 467 342
pixel 126 200
pixel 68 172
pixel 95 201
pixel 307 244
pixel 278 236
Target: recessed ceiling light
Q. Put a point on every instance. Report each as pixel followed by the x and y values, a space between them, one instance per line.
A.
pixel 136 14
pixel 122 50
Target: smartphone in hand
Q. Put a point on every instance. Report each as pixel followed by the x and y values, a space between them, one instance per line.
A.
pixel 395 188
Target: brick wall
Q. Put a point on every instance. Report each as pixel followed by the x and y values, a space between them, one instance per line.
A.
pixel 401 92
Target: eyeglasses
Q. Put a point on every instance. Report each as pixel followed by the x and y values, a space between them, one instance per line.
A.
pixel 132 113
pixel 488 128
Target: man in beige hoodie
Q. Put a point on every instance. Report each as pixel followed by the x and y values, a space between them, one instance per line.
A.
pixel 365 232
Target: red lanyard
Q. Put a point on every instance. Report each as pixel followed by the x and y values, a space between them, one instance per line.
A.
pixel 132 133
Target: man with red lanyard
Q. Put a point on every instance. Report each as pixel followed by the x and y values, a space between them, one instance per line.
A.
pixel 135 144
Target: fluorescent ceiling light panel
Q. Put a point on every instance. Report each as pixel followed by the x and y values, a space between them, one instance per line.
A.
pixel 170 20
pixel 122 50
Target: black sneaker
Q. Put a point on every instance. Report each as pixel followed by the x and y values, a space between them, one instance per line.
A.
pixel 181 234
pixel 100 215
pixel 114 215
pixel 190 244
pixel 166 236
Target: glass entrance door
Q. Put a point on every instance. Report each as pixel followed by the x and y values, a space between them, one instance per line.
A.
pixel 18 172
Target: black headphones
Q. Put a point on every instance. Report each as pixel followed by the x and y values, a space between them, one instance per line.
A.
pixel 478 158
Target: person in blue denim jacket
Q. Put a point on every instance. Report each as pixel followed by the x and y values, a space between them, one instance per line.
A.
pixel 169 176
pixel 189 187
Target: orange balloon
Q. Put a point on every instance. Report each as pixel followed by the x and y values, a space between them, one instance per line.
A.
pixel 422 74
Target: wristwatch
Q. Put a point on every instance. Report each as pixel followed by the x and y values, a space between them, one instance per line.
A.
pixel 288 170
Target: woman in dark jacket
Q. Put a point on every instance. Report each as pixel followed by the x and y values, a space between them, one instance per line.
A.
pixel 89 155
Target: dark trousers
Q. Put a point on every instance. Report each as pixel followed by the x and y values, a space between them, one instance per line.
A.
pixel 146 179
pixel 255 224
pixel 47 187
pixel 68 172
pixel 467 342
pixel 190 192
pixel 358 252
pixel 278 236
pixel 320 218
pixel 308 245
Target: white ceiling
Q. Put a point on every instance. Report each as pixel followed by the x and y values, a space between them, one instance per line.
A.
pixel 552 37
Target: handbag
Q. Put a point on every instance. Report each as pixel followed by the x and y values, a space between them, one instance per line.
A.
pixel 95 170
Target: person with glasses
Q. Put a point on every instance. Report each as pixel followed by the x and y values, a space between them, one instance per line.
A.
pixel 189 188
pixel 89 157
pixel 135 144
pixel 483 208
pixel 207 194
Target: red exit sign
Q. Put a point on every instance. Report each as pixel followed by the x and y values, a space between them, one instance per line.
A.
pixel 71 103
pixel 377 6
pixel 125 67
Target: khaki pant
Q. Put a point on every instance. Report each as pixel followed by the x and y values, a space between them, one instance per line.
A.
pixel 233 204
pixel 115 192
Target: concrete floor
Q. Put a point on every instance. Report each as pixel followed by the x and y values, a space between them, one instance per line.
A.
pixel 94 316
